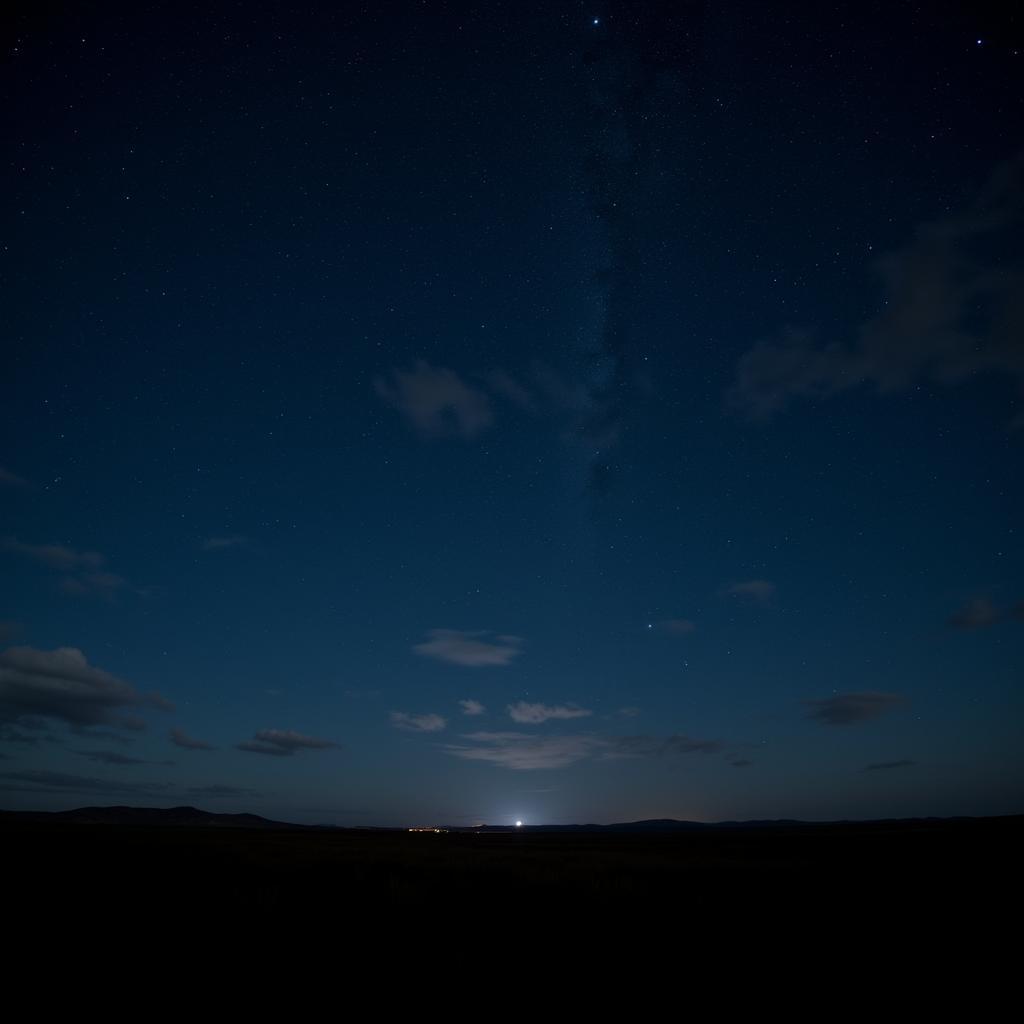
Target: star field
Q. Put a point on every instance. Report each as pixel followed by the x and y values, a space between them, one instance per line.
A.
pixel 441 413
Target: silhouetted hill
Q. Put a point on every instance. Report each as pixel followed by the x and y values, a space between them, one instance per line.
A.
pixel 149 816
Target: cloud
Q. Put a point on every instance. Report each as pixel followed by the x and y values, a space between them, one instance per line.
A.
pixel 741 763
pixel 677 627
pixel 180 739
pixel 886 765
pixel 104 584
pixel 437 401
pixel 62 685
pixel 466 648
pixel 252 747
pixel 534 714
pixel 510 389
pixel 849 708
pixel 9 735
pixel 417 723
pixel 86 569
pixel 113 737
pixel 63 782
pixel 520 751
pixel 113 757
pixel 43 781
pixel 220 791
pixel 219 543
pixel 9 479
pixel 659 746
pixel 282 743
pixel 759 591
pixel 524 752
pixel 56 556
pixel 954 309
pixel 976 614
pixel 472 707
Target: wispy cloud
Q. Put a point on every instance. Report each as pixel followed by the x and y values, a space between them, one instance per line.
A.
pixel 64 782
pixel 952 312
pixel 469 648
pixel 283 743
pixel 220 543
pixel 519 751
pixel 511 389
pixel 114 758
pixel 9 479
pixel 524 752
pixel 181 739
pixel 62 685
pixel 886 765
pixel 41 781
pixel 56 556
pixel 660 746
pixel 27 739
pixel 534 714
pixel 976 614
pixel 437 401
pixel 103 584
pixel 86 572
pixel 217 791
pixel 676 627
pixel 755 591
pixel 472 707
pixel 417 723
pixel 850 708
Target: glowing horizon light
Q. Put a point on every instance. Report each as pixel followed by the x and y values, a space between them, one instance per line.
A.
pixel 519 824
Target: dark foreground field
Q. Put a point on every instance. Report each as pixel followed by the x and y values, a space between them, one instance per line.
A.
pixel 887 873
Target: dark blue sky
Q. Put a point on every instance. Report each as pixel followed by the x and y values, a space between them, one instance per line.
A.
pixel 477 412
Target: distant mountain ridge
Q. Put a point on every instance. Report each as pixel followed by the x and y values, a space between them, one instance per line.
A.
pixel 166 816
pixel 193 817
pixel 656 825
pixel 649 825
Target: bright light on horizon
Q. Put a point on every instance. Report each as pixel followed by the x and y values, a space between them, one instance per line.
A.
pixel 519 824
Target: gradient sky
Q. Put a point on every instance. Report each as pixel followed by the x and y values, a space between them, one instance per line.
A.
pixel 463 413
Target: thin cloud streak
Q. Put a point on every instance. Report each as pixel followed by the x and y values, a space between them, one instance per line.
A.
pixel 852 708
pixel 534 714
pixel 181 739
pixel 283 743
pixel 519 751
pixel 417 723
pixel 469 649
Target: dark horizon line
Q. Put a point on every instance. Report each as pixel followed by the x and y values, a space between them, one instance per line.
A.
pixel 640 825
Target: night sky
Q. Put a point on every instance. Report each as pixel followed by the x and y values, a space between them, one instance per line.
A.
pixel 434 413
